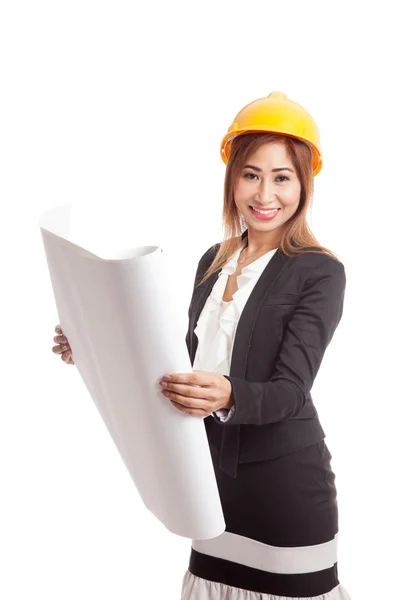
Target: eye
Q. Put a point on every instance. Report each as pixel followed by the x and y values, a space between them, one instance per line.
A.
pixel 253 177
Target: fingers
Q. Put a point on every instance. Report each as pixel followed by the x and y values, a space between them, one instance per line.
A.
pixel 192 399
pixel 189 411
pixel 67 357
pixel 63 346
pixel 60 339
pixel 189 391
pixel 64 350
pixel 66 353
pixel 190 405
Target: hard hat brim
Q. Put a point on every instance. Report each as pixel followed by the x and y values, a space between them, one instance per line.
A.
pixel 228 138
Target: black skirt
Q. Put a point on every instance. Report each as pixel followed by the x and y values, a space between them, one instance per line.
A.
pixel 281 532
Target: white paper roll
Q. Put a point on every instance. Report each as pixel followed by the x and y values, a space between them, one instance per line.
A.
pixel 126 330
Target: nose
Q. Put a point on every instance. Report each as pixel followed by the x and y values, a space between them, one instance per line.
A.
pixel 265 193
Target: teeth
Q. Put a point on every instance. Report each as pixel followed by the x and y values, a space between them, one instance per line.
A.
pixel 266 212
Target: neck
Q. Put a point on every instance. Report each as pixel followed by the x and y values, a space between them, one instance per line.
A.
pixel 261 242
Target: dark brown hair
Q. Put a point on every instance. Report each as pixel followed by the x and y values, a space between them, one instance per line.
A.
pixel 296 235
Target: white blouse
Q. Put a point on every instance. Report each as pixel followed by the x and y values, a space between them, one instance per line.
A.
pixel 216 326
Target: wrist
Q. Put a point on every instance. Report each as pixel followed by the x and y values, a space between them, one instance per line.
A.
pixel 230 401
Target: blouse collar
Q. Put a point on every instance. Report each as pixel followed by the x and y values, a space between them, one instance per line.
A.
pixel 257 266
pixel 223 322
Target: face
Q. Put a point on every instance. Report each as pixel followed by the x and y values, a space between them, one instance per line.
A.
pixel 268 180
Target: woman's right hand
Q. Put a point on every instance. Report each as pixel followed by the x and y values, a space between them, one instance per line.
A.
pixel 63 346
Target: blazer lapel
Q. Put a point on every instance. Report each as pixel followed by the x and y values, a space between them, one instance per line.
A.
pixel 247 318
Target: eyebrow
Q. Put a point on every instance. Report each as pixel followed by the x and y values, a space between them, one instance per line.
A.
pixel 273 170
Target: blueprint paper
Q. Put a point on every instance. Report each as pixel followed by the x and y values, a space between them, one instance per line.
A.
pixel 126 329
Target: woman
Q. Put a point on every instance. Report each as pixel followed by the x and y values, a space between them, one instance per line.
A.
pixel 265 305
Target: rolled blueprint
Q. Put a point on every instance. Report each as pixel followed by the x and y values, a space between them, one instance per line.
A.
pixel 126 330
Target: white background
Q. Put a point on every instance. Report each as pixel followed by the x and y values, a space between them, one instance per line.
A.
pixel 125 104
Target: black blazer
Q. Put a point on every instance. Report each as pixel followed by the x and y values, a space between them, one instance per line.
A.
pixel 281 337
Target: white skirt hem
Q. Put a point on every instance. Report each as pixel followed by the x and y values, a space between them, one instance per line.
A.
pixel 196 588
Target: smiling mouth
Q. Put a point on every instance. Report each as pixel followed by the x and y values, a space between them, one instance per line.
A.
pixel 265 211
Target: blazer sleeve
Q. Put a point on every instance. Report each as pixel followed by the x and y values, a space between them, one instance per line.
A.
pixel 306 336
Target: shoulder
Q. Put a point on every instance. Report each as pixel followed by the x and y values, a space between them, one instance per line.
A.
pixel 209 255
pixel 315 269
pixel 320 271
pixel 205 261
pixel 314 258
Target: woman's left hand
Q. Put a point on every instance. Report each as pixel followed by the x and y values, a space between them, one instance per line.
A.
pixel 199 393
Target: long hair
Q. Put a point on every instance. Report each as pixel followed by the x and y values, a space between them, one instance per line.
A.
pixel 296 237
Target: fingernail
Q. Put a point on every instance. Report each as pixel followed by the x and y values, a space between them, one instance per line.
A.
pixel 166 378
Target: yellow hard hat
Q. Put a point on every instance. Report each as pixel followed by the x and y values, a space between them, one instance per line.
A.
pixel 278 114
